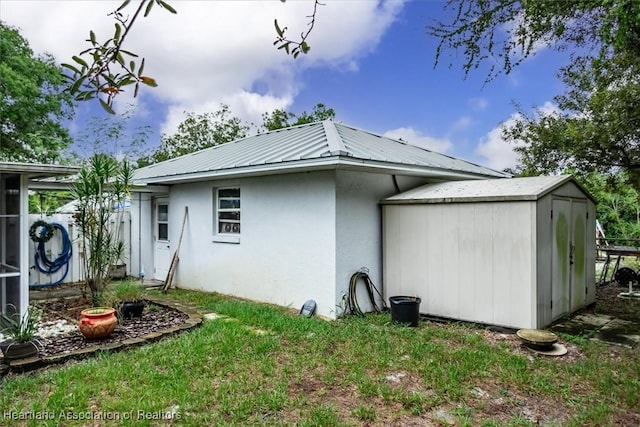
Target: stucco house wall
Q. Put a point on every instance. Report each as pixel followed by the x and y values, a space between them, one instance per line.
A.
pixel 285 253
pixel 359 230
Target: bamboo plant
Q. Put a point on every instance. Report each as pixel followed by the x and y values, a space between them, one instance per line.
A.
pixel 100 191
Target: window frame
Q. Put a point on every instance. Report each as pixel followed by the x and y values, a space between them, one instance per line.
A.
pixel 222 236
pixel 160 222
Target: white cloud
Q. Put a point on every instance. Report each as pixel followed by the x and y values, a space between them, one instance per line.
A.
pixel 463 122
pixel 478 104
pixel 499 153
pixel 213 51
pixel 417 138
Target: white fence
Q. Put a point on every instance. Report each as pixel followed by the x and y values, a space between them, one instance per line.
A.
pixel 71 268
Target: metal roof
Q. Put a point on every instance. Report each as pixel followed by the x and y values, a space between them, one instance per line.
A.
pixel 529 188
pixel 319 145
pixel 34 170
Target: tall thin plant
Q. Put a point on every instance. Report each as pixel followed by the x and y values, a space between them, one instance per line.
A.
pixel 100 191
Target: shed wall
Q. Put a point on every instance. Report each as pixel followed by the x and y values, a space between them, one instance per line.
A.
pixel 468 261
pixel 545 238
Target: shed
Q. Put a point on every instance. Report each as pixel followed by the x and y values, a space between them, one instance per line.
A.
pixel 517 252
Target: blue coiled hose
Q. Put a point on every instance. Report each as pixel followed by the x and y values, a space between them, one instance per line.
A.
pixel 47 266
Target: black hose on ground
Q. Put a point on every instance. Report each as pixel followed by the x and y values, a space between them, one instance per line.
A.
pixel 352 300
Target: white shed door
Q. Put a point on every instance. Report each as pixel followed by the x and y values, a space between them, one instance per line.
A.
pixel 161 242
pixel 569 268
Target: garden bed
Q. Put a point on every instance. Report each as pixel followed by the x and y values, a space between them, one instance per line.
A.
pixel 60 338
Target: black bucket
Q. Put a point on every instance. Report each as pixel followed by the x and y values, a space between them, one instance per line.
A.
pixel 405 310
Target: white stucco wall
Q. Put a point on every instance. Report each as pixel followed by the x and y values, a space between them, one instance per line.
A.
pixel 141 234
pixel 286 253
pixel 359 231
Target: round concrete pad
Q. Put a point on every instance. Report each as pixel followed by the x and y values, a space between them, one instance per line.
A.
pixel 537 337
pixel 555 350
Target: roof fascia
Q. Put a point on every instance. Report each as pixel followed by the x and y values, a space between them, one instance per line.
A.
pixel 332 162
pixel 39 170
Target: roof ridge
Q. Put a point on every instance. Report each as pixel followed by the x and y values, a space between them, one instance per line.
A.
pixel 334 140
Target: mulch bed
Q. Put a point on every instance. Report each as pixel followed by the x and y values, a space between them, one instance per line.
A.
pixel 155 318
pixel 608 302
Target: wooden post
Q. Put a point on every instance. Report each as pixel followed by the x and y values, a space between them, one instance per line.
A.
pixel 175 259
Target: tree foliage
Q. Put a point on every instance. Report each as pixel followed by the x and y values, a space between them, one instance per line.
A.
pixel 200 131
pixel 32 102
pixel 114 135
pixel 597 125
pixel 197 132
pixel 503 33
pixel 105 69
pixel 618 204
pixel 280 118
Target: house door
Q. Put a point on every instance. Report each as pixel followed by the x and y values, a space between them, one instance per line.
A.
pixel 569 267
pixel 161 242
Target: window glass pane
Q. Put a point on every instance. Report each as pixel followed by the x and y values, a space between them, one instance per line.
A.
pixel 229 192
pixel 163 231
pixel 163 212
pixel 230 215
pixel 229 203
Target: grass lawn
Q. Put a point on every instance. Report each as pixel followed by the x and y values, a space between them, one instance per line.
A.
pixel 271 367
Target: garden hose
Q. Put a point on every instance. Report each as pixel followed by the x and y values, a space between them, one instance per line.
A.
pixel 352 299
pixel 48 266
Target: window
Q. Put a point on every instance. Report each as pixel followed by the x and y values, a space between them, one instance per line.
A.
pixel 162 219
pixel 228 211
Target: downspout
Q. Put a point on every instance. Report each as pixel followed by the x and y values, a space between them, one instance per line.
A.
pixel 395 183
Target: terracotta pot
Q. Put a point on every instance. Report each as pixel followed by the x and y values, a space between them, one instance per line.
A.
pixel 13 350
pixel 97 322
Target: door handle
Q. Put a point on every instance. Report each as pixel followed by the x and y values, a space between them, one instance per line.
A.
pixel 572 249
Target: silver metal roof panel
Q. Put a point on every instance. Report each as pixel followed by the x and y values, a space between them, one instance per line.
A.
pixel 322 143
pixel 529 188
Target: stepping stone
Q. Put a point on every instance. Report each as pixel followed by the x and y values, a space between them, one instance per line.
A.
pixel 620 332
pixel 213 316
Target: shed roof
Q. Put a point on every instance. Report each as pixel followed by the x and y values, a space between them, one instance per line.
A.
pixel 319 145
pixel 529 188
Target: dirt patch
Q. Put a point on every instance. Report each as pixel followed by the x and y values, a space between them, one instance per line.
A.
pixel 608 302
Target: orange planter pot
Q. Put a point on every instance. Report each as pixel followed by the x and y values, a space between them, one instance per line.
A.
pixel 97 322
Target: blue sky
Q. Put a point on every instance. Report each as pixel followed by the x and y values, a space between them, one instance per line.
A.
pixel 372 61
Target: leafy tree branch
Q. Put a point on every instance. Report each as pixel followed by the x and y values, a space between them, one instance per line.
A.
pixel 295 47
pixel 106 69
pixel 101 71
